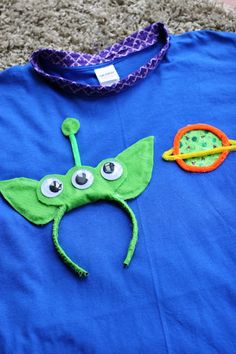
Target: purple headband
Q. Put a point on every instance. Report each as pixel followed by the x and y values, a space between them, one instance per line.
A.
pixel 135 42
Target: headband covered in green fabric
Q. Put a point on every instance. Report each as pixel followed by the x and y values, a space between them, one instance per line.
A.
pixel 114 179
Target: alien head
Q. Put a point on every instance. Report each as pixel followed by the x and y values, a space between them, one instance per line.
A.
pixel 115 179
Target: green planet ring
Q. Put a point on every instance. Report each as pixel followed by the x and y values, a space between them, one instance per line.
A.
pixel 200 148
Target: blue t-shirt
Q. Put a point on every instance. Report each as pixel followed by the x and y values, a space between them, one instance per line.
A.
pixel 179 293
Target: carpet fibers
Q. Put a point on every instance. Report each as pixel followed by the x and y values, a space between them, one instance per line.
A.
pixel 89 26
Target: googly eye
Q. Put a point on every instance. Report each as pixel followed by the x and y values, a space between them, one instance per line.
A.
pixel 111 170
pixel 51 187
pixel 82 179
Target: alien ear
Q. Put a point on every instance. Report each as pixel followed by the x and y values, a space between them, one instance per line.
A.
pixel 21 194
pixel 138 159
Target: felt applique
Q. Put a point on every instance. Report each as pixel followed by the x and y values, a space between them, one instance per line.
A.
pixel 114 179
pixel 200 148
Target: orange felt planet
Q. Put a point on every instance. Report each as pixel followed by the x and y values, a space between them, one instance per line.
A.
pixel 199 148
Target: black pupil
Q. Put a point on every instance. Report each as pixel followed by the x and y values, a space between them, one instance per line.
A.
pixel 81 179
pixel 55 187
pixel 109 167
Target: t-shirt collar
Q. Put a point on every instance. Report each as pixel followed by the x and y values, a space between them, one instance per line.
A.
pixel 135 42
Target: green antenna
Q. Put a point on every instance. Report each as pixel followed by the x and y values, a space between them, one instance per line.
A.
pixel 69 128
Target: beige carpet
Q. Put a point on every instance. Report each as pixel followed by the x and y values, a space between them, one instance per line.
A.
pixel 91 25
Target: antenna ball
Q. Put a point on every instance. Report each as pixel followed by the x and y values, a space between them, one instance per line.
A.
pixel 70 126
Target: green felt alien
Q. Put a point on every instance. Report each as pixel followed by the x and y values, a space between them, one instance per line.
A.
pixel 114 179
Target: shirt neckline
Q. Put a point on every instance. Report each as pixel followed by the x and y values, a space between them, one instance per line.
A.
pixel 135 42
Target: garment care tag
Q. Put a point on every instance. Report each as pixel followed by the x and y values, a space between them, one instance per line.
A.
pixel 107 75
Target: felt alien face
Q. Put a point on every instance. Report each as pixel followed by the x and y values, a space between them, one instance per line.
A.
pixel 115 179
